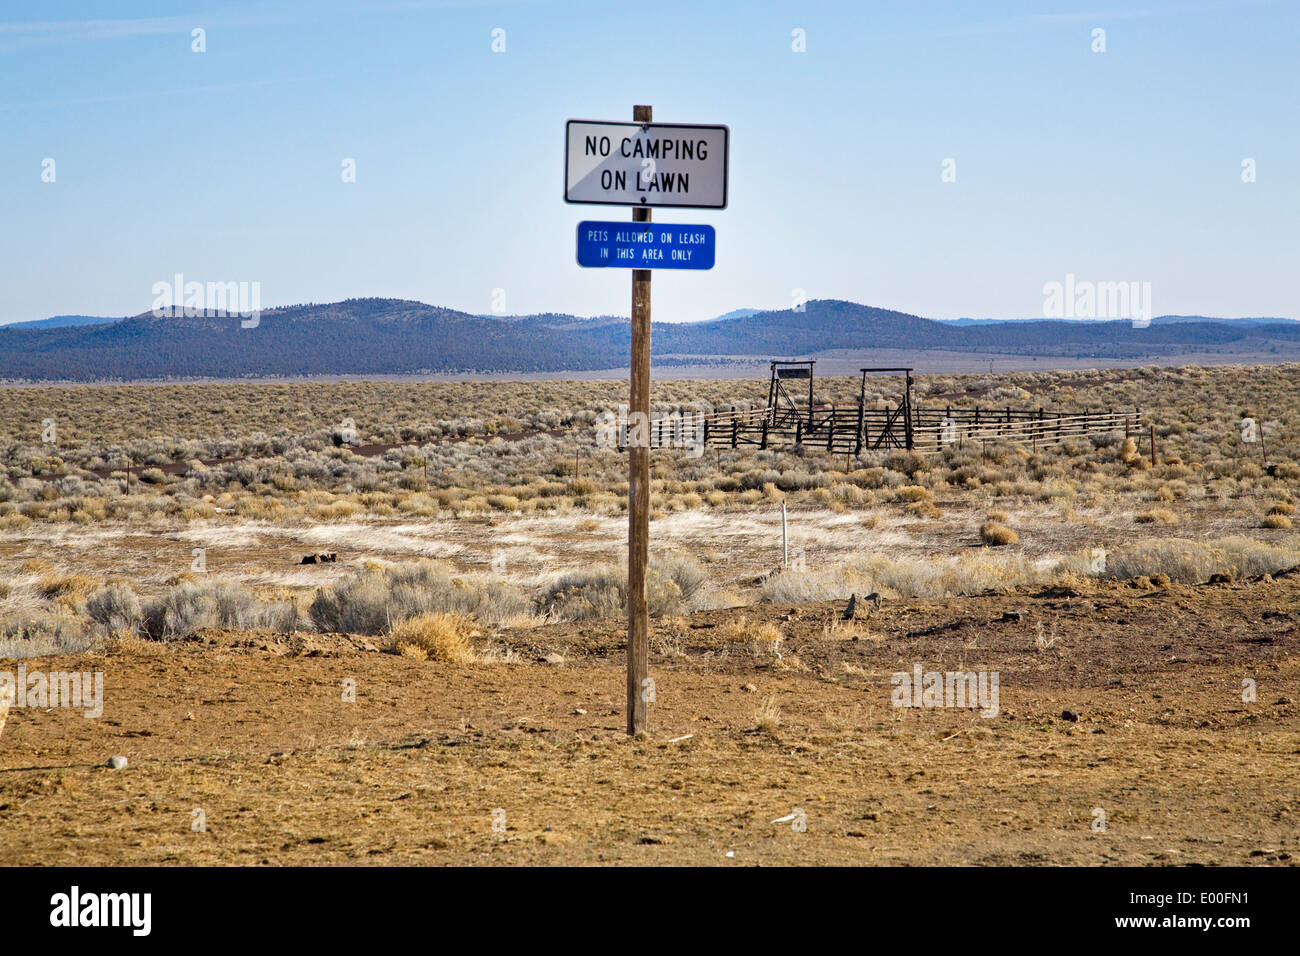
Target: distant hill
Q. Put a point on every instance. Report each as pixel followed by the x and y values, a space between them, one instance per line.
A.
pixel 61 321
pixel 1170 319
pixel 400 337
pixel 1158 320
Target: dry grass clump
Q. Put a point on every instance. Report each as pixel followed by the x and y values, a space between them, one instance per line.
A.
pixel 42 634
pixel 1276 521
pixel 1156 516
pixel 969 572
pixel 997 534
pixel 189 608
pixel 1128 454
pixel 768 715
pixel 129 644
pixel 54 586
pixel 676 584
pixel 786 661
pixel 838 629
pixel 1186 561
pixel 1171 490
pixel 434 636
pixel 586 594
pixel 117 609
pixel 913 493
pixel 740 629
pixel 923 509
pixel 909 463
pixel 764 640
pixel 375 598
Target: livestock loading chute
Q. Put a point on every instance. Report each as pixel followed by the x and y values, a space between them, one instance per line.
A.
pixel 792 416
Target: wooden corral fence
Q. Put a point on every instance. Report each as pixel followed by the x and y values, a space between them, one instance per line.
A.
pixel 855 428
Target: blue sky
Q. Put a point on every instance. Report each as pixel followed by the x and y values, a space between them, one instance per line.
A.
pixel 225 165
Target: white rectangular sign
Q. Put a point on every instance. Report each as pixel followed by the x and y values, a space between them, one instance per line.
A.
pixel 646 164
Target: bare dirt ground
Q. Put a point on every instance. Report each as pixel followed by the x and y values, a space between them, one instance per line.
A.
pixel 253 731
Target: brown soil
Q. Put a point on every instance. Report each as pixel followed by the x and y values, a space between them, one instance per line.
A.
pixel 252 730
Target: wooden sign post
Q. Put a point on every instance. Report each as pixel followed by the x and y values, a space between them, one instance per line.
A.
pixel 643 164
pixel 638 491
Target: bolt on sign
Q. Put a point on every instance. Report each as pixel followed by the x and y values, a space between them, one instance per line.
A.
pixel 646 164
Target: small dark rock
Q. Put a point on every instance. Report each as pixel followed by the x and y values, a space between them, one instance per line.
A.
pixel 1070 715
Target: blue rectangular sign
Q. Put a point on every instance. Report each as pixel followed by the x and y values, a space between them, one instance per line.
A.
pixel 645 245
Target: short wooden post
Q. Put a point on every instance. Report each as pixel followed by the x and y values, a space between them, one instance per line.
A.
pixel 785 540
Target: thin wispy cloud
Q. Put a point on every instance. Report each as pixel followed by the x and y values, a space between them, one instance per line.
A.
pixel 151 94
pixel 1094 16
pixel 1076 17
pixel 1097 16
pixel 113 28
pixel 94 29
pixel 21 33
pixel 402 5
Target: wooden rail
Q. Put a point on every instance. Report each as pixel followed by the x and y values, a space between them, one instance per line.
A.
pixel 852 429
pixel 1043 429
